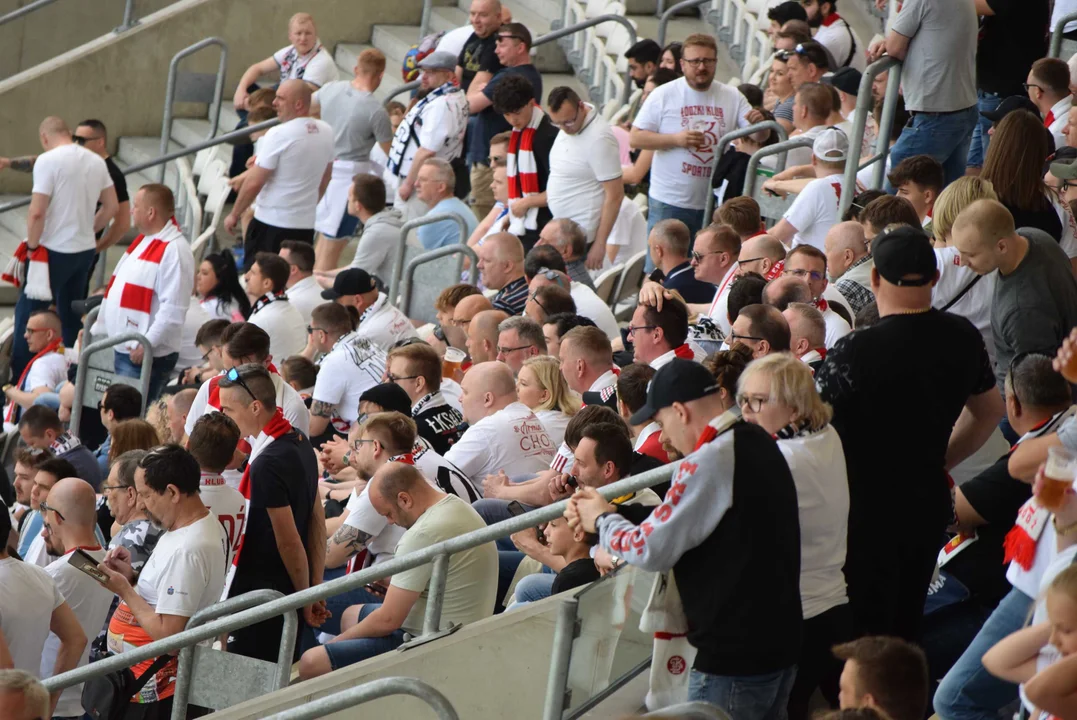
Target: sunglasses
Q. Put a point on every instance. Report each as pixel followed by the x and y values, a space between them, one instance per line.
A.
pixel 234 376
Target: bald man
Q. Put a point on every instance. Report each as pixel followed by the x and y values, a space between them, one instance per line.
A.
pixel 482 334
pixel 150 290
pixel 179 406
pixel 46 371
pixel 457 331
pixel 761 254
pixel 288 178
pixel 501 265
pixel 503 435
pixel 303 59
pixel 807 333
pixel 69 528
pixel 64 216
pixel 786 289
pixel 849 263
pixel 1035 301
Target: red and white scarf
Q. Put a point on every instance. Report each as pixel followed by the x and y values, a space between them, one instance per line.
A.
pixel 275 428
pixel 523 172
pixel 28 270
pixel 12 406
pixel 130 292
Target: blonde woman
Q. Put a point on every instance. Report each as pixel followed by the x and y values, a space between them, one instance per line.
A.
pixel 541 387
pixel 777 392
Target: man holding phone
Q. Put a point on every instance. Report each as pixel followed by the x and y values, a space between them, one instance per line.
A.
pixel 69 520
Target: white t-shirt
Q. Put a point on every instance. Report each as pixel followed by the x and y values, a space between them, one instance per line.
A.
pixel 629 233
pixel 304 296
pixel 27 598
pixel 836 327
pixel 47 371
pixel 352 367
pixel 90 600
pixel 579 164
pixel 316 67
pixel 815 210
pixel 73 178
pixel 555 423
pixel 288 399
pixel 803 155
pixel 285 326
pixel 189 354
pixel 590 305
pixel 836 35
pixel 719 309
pixel 680 176
pixel 229 507
pixel 512 439
pixel 975 306
pixel 297 152
pixel 383 324
pixel 440 126
pixel 1060 117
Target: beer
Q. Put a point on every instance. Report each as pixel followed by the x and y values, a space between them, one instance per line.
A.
pixel 451 363
pixel 1058 477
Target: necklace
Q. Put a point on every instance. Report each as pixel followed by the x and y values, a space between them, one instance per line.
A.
pixel 918 311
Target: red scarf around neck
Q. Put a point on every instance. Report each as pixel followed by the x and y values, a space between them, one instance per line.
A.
pixel 53 346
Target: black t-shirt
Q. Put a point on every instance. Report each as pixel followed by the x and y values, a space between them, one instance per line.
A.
pixel 439 425
pixel 478 55
pixel 576 573
pixel 1043 218
pixel 897 389
pixel 118 182
pixel 683 279
pixel 285 474
pixel 489 122
pixel 996 497
pixel 1010 41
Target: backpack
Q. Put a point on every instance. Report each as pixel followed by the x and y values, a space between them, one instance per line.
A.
pixel 415 53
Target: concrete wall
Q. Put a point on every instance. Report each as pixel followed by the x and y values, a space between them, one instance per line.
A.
pixel 121 78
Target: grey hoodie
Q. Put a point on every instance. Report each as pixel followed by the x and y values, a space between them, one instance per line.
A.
pixel 378 244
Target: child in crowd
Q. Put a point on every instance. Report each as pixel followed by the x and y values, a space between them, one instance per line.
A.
pixel 300 373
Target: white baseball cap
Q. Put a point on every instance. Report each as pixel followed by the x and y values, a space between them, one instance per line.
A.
pixel 831 145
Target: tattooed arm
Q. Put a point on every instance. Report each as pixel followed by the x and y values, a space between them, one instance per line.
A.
pixel 346 541
pixel 20 164
pixel 320 414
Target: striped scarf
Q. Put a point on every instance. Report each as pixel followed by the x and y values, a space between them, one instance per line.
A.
pixel 523 172
pixel 14 410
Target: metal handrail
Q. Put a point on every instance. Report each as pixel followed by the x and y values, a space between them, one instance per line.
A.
pixel 591 22
pixel 366 692
pixel 398 266
pixel 414 84
pixel 664 16
pixel 84 362
pixel 860 119
pixel 185 668
pixel 779 149
pixel 730 137
pixel 1056 34
pixel 352 581
pixel 436 254
pixel 129 20
pixel 170 93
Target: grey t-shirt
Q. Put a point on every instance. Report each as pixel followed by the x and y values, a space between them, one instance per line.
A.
pixel 378 244
pixel 940 66
pixel 357 118
pixel 1035 306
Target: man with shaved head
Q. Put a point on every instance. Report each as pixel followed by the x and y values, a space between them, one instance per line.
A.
pixel 179 405
pixel 73 198
pixel 807 333
pixel 501 264
pixel 457 331
pixel 70 519
pixel 763 254
pixel 503 433
pixel 849 263
pixel 1035 302
pixel 288 178
pixel 482 334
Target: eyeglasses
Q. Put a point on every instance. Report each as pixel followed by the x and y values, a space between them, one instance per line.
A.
pixel 207 353
pixel 754 403
pixel 45 508
pixel 105 488
pixel 1029 86
pixel 697 257
pixel 397 378
pixel 568 123
pixel 234 376
pixel 750 260
pixel 733 337
pixel 813 274
pixel 506 351
pixel 312 328
pixel 31 331
pixel 358 444
pixel 700 62
pixel 632 330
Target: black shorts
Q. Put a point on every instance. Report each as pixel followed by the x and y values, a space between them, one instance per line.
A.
pixel 267 238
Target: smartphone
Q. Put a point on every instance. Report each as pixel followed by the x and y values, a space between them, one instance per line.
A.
pixel 85 562
pixel 515 508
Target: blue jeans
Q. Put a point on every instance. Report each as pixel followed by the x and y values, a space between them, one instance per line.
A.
pixel 658 210
pixel 968 691
pixel 749 697
pixel 985 102
pixel 337 604
pixel 944 136
pixel 349 652
pixel 159 370
pixel 534 587
pixel 68 275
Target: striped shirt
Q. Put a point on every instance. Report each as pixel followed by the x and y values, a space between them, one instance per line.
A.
pixel 512 297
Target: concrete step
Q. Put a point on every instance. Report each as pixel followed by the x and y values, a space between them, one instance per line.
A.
pixel 394 41
pixel 135 150
pixel 536 15
pixel 14 221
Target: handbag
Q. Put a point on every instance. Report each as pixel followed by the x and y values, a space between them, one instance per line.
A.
pixel 107 697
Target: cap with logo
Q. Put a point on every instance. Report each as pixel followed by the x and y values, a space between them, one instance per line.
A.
pixel 438 60
pixel 353 281
pixel 846 79
pixel 903 256
pixel 680 381
pixel 831 145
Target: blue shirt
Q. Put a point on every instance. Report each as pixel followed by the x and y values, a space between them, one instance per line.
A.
pixel 447 232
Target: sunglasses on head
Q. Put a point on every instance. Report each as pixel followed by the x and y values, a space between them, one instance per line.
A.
pixel 234 376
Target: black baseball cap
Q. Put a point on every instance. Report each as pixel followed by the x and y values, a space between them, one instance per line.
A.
pixel 389 396
pixel 1008 105
pixel 353 281
pixel 904 251
pixel 678 381
pixel 846 79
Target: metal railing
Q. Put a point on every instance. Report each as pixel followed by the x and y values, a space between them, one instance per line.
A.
pixel 170 93
pixel 860 119
pixel 724 141
pixel 780 149
pixel 436 254
pixel 84 363
pixel 129 20
pixel 402 248
pixel 354 581
pixel 1056 35
pixel 664 16
pixel 366 692
pixel 591 22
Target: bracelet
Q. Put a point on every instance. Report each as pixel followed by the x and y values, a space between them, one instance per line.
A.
pixel 1065 529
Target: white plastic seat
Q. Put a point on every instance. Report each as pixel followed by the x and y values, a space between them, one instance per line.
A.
pixel 216 196
pixel 631 277
pixel 187 198
pixel 614 8
pixel 606 282
pixel 214 169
